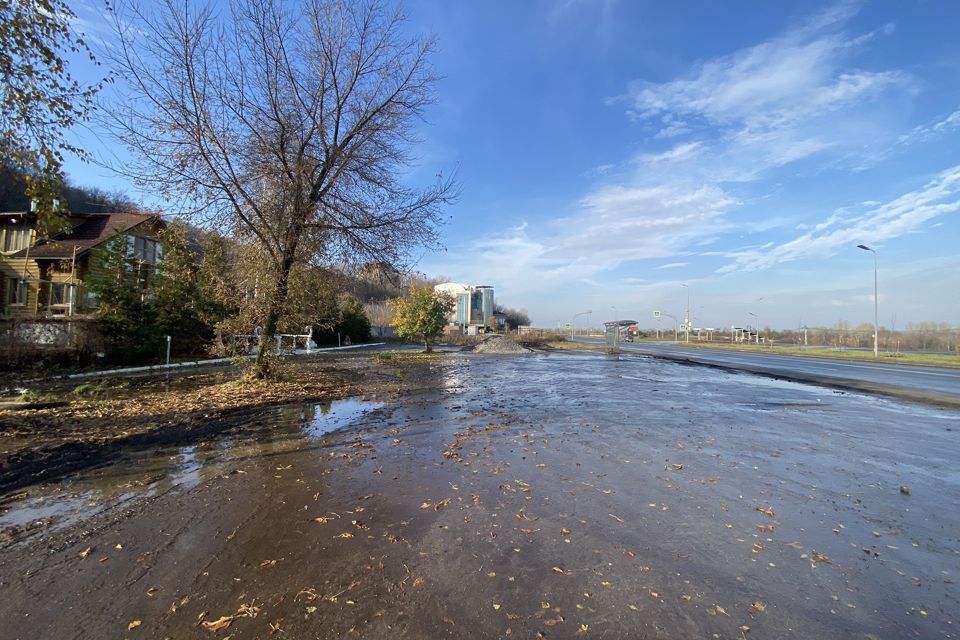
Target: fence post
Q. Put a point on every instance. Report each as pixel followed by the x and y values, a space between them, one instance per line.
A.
pixel 168 349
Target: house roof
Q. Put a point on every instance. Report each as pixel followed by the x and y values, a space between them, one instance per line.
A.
pixel 95 229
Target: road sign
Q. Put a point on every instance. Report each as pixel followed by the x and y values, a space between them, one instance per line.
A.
pixel 656 314
pixel 566 326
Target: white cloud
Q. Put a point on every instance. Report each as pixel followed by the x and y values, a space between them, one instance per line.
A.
pixel 906 214
pixel 672 265
pixel 771 104
pixel 685 151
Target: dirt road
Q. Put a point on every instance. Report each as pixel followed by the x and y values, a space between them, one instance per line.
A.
pixel 565 495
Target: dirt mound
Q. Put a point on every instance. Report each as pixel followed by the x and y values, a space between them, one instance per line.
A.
pixel 500 345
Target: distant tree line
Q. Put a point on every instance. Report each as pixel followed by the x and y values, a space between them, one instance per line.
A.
pixel 14 193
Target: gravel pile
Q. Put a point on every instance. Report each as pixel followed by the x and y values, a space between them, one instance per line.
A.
pixel 500 345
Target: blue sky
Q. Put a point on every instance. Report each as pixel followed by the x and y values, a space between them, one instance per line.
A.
pixel 612 151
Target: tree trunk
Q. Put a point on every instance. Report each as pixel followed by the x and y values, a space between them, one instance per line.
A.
pixel 277 300
pixel 426 343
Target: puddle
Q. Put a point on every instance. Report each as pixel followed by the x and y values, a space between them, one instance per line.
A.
pixel 151 472
pixel 332 416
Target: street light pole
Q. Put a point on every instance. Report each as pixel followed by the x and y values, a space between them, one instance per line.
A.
pixel 757 321
pixel 686 321
pixel 876 303
pixel 574 319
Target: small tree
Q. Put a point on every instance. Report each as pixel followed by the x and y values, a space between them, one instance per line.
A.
pixel 422 314
pixel 128 322
pixel 354 321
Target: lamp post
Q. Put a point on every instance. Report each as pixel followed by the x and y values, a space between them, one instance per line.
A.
pixel 757 322
pixel 876 303
pixel 574 319
pixel 686 318
pixel 760 299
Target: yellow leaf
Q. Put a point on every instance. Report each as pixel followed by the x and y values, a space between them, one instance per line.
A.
pixel 496 607
pixel 86 552
pixel 134 625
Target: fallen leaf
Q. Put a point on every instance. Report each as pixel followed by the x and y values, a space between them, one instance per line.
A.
pixel 564 531
pixel 86 552
pixel 819 557
pixel 419 581
pixel 744 628
pixel 221 623
pixel 629 554
pixel 247 611
pixel 496 607
pixel 904 489
pixel 757 607
pixel 426 504
pixel 557 570
pixel 134 625
pixel 441 504
pixel 654 594
pixel 767 511
pixel 345 534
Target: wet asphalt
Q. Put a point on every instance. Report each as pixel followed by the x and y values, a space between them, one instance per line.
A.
pixel 559 495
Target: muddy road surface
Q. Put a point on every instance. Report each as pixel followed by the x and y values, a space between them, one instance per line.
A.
pixel 558 496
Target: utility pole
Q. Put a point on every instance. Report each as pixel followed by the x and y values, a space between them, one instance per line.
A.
pixel 686 320
pixel 876 303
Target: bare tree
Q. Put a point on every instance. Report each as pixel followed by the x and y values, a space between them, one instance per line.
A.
pixel 288 123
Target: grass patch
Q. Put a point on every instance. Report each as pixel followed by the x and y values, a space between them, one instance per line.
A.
pixel 389 357
pixel 566 345
pixel 917 359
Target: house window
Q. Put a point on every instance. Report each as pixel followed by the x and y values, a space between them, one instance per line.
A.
pixel 16 291
pixel 15 238
pixel 143 249
pixel 59 293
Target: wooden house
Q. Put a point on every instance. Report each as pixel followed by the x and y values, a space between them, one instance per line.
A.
pixel 50 278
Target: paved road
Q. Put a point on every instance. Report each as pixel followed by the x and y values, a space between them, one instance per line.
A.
pixel 936 380
pixel 562 495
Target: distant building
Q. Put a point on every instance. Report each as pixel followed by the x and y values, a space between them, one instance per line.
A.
pixel 473 312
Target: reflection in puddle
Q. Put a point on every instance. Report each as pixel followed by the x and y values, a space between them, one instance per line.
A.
pixel 331 416
pixel 153 472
